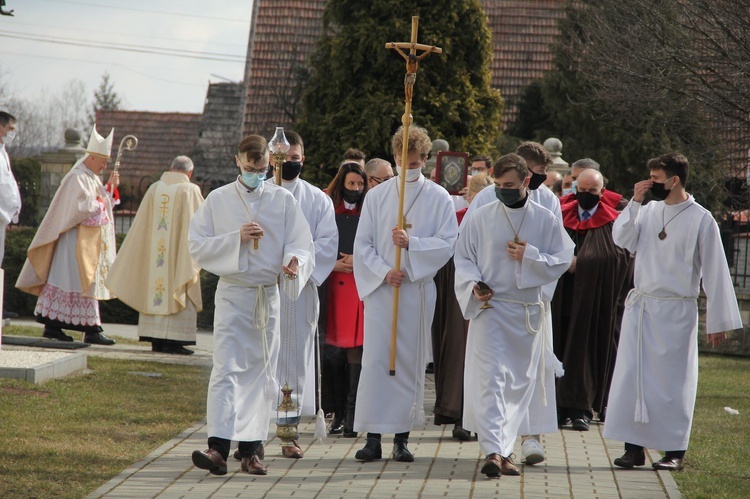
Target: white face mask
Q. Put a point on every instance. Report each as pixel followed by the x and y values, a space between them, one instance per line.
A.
pixel 411 175
pixel 8 139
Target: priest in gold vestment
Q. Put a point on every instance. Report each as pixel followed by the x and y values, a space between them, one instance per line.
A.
pixel 154 272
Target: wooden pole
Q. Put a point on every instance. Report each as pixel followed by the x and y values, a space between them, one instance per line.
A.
pixel 412 64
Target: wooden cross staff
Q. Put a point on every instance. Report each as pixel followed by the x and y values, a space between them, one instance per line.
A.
pixel 412 64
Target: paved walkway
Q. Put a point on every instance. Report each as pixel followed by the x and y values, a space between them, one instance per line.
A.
pixel 579 464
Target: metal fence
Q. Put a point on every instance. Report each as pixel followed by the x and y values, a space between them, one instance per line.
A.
pixel 735 234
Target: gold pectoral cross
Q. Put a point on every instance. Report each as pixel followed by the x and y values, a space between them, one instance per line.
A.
pixel 255 244
pixel 405 225
pixel 516 240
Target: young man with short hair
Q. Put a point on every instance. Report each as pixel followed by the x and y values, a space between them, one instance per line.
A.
pixel 677 247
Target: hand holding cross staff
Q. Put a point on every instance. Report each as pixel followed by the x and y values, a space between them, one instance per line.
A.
pixel 412 65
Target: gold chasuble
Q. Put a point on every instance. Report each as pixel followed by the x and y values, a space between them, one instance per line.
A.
pixel 154 272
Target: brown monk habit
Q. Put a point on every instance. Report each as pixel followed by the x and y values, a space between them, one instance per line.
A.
pixel 587 310
pixel 449 332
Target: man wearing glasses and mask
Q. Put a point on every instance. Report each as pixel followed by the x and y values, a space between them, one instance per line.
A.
pixel 378 171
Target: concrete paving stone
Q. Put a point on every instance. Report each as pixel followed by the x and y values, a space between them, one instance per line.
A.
pixel 444 467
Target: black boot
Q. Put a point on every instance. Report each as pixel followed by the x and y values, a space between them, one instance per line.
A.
pixel 401 452
pixel 370 452
pixel 337 426
pixel 351 403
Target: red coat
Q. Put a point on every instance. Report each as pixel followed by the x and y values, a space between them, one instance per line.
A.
pixel 603 215
pixel 345 326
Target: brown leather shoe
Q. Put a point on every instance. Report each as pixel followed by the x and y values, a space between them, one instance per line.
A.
pixel 492 466
pixel 210 460
pixel 253 466
pixel 508 467
pixel 631 458
pixel 261 454
pixel 292 451
pixel 669 464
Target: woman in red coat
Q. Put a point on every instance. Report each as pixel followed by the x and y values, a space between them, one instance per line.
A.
pixel 345 319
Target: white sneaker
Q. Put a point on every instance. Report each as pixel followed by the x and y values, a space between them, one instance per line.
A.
pixel 531 451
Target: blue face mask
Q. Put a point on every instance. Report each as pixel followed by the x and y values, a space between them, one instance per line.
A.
pixel 253 180
pixel 572 189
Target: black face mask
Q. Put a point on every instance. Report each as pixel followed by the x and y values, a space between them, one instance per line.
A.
pixel 290 169
pixel 350 196
pixel 537 179
pixel 659 191
pixel 508 196
pixel 586 200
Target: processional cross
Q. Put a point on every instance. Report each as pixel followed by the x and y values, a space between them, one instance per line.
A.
pixel 412 64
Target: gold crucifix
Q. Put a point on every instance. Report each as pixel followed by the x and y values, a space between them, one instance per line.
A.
pixel 412 65
pixel 404 224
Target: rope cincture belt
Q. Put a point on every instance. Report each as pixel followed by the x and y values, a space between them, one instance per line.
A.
pixel 533 332
pixel 641 413
pixel 261 316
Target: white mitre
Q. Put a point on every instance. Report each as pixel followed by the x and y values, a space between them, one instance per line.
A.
pixel 98 145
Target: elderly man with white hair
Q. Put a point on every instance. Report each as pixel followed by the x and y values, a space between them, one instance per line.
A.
pixel 73 250
pixel 154 272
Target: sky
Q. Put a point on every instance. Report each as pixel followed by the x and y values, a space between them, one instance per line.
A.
pixel 170 49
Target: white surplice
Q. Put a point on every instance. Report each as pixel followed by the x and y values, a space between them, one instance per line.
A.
pixel 246 318
pixel 392 404
pixel 318 210
pixel 10 198
pixel 652 396
pixel 505 349
pixel 542 414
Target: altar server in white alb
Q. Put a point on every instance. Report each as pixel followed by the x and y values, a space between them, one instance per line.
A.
pixel 514 247
pixel 247 232
pixel 301 346
pixel 676 244
pixel 392 404
pixel 542 414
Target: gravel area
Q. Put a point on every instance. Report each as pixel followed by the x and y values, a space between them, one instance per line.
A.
pixel 28 358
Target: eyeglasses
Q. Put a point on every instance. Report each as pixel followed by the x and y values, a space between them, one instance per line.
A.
pixel 247 169
pixel 380 180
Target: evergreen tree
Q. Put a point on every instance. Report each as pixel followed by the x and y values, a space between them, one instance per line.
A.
pixel 566 105
pixel 355 94
pixel 105 98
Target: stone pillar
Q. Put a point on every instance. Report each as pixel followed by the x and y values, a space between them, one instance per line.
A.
pixel 55 165
pixel 437 146
pixel 554 147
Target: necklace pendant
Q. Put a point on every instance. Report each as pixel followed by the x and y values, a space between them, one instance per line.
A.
pixel 255 244
pixel 516 240
pixel 662 235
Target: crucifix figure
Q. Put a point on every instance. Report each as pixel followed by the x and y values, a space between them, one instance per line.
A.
pixel 412 65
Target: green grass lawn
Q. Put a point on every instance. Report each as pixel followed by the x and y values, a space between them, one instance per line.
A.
pixel 717 464
pixel 67 437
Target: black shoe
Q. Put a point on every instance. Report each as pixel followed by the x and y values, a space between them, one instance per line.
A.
pixel 97 339
pixel 461 434
pixel 430 369
pixel 56 334
pixel 9 315
pixel 669 464
pixel 337 426
pixel 563 421
pixel 630 459
pixel 401 452
pixel 581 424
pixel 157 345
pixel 603 415
pixel 176 349
pixel 350 433
pixel 370 452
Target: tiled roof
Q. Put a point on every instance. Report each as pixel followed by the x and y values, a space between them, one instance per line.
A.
pixel 284 32
pixel 220 132
pixel 161 137
pixel 522 35
pixel 282 36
